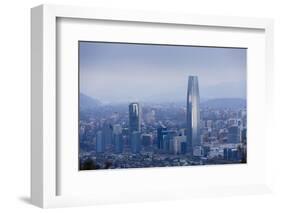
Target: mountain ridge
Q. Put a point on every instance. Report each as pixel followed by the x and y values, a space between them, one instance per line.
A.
pixel 224 103
pixel 87 102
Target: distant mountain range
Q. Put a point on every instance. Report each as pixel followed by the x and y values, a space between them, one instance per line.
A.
pixel 87 102
pixel 219 103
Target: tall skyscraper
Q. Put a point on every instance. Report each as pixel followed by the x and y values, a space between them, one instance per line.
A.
pixel 117 138
pixel 107 134
pixel 193 114
pixel 135 127
pixel 161 131
pixel 100 145
pixel 134 118
pixel 118 143
pixel 135 142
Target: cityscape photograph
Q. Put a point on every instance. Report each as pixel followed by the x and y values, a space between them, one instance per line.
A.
pixel 150 105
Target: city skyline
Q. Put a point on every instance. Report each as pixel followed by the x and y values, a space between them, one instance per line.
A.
pixel 144 132
pixel 153 67
pixel 127 143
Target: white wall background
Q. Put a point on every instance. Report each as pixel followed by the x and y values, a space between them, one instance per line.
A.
pixel 15 103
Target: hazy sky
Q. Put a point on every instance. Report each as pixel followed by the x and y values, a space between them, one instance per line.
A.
pixel 114 72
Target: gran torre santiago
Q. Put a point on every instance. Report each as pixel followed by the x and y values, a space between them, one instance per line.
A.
pixel 193 114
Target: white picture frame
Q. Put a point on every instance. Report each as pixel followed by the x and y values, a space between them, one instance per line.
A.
pixel 44 149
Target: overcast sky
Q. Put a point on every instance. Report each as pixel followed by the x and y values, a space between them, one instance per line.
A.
pixel 114 72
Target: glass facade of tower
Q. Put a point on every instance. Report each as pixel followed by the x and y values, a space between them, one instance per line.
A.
pixel 134 117
pixel 135 142
pixel 193 114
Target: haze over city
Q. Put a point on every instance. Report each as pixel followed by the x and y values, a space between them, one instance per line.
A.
pixel 159 73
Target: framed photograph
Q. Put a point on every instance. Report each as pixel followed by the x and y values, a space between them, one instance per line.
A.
pixel 129 106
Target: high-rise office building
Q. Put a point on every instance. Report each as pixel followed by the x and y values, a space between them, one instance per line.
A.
pixel 134 117
pixel 135 127
pixel 161 132
pixel 177 144
pixel 107 134
pixel 118 143
pixel 135 142
pixel 117 138
pixel 183 148
pixel 168 141
pixel 193 114
pixel 234 134
pixel 100 145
